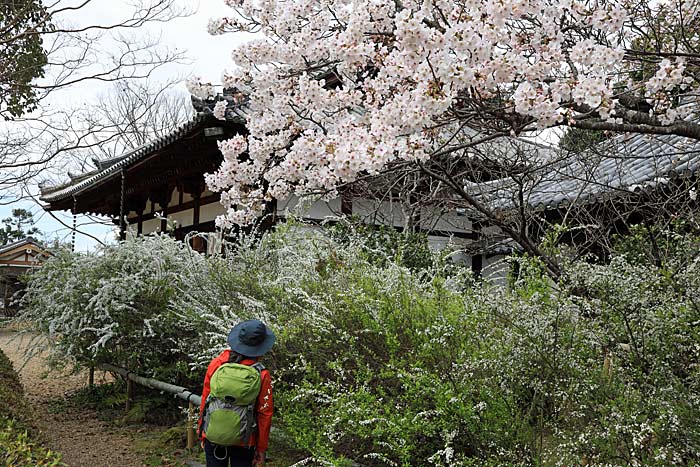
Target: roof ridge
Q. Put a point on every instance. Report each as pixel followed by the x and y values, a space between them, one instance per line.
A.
pixel 53 193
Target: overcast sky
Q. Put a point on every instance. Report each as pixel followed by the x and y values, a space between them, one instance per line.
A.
pixel 208 57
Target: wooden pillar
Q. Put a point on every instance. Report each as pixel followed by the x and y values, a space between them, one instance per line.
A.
pixel 138 204
pixel 477 265
pixel 197 202
pixel 139 227
pixel 122 207
pixel 346 204
pixel 194 186
pixel 164 220
pixel 162 197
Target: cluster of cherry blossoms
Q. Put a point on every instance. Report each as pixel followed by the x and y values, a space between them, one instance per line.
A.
pixel 341 88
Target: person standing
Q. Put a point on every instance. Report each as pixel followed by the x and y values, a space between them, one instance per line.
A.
pixel 236 411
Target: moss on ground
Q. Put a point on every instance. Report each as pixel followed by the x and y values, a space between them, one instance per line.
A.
pixel 19 439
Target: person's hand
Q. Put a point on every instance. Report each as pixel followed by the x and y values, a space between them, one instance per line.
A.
pixel 259 459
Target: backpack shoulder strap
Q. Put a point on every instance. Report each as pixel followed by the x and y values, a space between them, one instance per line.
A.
pixel 233 357
pixel 258 366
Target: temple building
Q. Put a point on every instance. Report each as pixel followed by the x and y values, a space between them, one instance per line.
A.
pixel 160 180
pixel 16 259
pixel 159 187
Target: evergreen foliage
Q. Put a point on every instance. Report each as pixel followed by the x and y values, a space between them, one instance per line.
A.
pixel 22 54
pixel 17 227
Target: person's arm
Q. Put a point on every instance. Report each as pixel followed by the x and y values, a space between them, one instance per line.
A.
pixel 264 412
pixel 213 366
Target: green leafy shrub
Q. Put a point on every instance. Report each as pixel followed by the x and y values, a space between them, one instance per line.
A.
pixel 381 364
pixel 380 244
pixel 17 449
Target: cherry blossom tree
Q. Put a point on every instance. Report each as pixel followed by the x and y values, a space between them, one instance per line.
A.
pixel 338 90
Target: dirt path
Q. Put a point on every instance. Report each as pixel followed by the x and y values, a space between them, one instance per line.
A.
pixel 83 440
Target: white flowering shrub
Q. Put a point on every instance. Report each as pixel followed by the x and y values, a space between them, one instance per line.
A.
pixel 111 306
pixel 377 364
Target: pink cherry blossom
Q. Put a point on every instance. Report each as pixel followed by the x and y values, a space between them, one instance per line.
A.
pixel 340 88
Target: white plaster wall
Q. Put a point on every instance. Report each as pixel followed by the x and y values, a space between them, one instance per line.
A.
pixel 495 269
pixel 450 221
pixel 438 243
pixel 492 234
pixel 150 226
pixel 186 197
pixel 183 218
pixel 386 212
pixel 174 198
pixel 210 211
pixel 316 210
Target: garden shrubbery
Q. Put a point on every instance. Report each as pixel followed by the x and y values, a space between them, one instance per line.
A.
pixel 380 364
pixel 17 447
pixel 113 306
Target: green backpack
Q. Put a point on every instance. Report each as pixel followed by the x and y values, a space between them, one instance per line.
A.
pixel 229 413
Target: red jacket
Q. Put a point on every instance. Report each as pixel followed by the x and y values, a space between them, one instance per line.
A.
pixel 263 408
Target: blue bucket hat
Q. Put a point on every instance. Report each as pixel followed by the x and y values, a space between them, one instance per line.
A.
pixel 251 338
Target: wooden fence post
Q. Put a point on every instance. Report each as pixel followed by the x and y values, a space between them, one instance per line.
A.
pixel 607 366
pixel 190 426
pixel 91 377
pixel 129 394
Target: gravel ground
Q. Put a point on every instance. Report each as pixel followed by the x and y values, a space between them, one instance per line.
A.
pixel 83 440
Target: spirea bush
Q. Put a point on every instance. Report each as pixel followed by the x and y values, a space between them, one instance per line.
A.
pixel 112 306
pixel 377 364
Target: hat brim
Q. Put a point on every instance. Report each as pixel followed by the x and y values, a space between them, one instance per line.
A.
pixel 248 350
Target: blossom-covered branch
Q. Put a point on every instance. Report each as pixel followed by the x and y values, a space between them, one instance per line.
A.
pixel 340 88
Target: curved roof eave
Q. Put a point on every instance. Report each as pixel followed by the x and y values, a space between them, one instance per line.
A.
pixel 67 190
